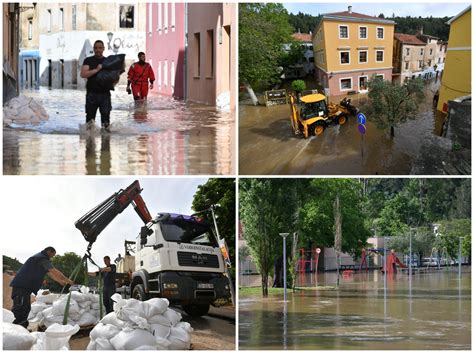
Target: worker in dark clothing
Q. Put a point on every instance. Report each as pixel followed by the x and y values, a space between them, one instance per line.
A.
pixel 108 273
pixel 29 280
pixel 97 97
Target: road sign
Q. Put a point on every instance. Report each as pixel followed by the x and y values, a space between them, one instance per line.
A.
pixel 361 118
pixel 318 250
pixel 361 128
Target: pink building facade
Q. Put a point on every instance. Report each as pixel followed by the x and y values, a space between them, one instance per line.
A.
pixel 211 54
pixel 165 46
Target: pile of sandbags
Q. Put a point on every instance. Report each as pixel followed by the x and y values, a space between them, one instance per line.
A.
pixel 48 308
pixel 16 337
pixel 23 110
pixel 136 325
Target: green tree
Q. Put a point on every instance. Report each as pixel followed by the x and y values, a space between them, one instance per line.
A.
pixel 11 264
pixel 267 208
pixel 263 30
pixel 391 104
pixel 449 233
pixel 66 264
pixel 219 191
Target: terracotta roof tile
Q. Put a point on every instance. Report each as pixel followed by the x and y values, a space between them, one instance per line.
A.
pixel 303 37
pixel 408 39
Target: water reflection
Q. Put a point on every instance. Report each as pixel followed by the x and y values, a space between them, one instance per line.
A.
pixel 163 136
pixel 434 312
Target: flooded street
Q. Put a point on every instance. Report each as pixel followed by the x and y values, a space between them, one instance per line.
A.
pixel 166 137
pixel 432 312
pixel 267 144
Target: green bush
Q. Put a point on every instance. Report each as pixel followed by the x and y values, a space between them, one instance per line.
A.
pixel 298 85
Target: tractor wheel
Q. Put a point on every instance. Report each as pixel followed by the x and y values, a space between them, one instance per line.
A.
pixel 318 129
pixel 342 120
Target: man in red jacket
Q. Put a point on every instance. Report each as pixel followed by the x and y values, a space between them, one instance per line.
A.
pixel 138 76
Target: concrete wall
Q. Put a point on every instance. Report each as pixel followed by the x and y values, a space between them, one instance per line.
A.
pixel 165 46
pixel 10 50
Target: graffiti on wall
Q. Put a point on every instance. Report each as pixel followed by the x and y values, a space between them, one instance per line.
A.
pixel 120 43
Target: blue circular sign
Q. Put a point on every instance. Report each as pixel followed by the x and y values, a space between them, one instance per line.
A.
pixel 361 118
pixel 361 128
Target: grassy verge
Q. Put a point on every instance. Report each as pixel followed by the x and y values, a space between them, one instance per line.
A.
pixel 257 291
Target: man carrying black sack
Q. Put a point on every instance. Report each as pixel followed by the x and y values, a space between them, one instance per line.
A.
pixel 97 97
pixel 29 280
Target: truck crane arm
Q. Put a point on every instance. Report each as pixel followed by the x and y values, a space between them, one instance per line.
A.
pixel 97 219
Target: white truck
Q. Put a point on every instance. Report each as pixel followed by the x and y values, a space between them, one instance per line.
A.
pixel 177 256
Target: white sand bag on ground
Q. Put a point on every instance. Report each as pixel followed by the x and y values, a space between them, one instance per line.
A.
pixel 131 339
pixel 104 345
pixel 154 306
pixel 57 336
pixel 16 337
pixel 159 330
pixel 179 338
pixel 160 319
pixel 8 316
pixel 87 319
pixel 48 298
pixel 173 316
pixel 60 305
pixel 111 319
pixel 103 331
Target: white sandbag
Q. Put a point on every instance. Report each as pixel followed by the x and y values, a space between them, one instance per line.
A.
pixel 103 344
pixel 79 297
pixel 48 298
pixel 60 305
pixel 92 346
pixel 37 307
pixel 8 316
pixel 146 348
pixel 162 343
pixel 85 305
pixel 160 319
pixel 47 312
pixel 94 298
pixel 154 306
pixel 57 320
pixel 39 341
pixel 87 319
pixel 57 336
pixel 186 326
pixel 131 339
pixel 159 330
pixel 173 316
pixel 179 334
pixel 178 345
pixel 16 337
pixel 111 319
pixel 95 306
pixel 103 331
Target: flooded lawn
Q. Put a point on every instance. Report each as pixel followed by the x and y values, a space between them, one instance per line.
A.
pixel 267 144
pixel 431 313
pixel 165 137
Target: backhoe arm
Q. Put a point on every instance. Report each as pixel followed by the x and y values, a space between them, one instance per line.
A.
pixel 95 221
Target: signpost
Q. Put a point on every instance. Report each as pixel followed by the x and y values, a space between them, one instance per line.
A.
pixel 361 119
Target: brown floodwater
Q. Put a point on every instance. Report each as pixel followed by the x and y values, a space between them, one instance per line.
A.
pixel 430 312
pixel 166 137
pixel 267 144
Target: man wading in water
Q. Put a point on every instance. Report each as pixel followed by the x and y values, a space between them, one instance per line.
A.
pixel 97 97
pixel 138 76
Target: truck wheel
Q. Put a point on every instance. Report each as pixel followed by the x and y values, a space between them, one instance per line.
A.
pixel 196 310
pixel 139 293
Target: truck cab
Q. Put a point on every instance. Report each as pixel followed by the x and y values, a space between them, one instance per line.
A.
pixel 179 259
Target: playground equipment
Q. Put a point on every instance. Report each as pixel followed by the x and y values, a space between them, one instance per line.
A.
pixel 308 258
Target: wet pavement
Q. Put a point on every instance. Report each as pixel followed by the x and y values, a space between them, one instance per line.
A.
pixel 433 312
pixel 267 144
pixel 166 137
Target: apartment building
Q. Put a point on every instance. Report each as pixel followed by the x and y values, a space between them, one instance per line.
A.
pixel 350 48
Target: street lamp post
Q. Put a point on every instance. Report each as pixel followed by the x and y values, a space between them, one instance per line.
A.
pixel 459 256
pixel 284 235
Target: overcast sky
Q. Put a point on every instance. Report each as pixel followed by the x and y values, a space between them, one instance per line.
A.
pixel 41 211
pixel 402 8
